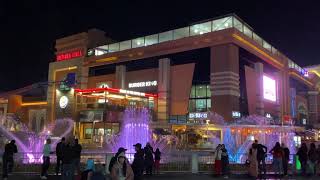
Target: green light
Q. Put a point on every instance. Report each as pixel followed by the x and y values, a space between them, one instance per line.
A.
pixel 298 164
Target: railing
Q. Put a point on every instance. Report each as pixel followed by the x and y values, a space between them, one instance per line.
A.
pixel 171 162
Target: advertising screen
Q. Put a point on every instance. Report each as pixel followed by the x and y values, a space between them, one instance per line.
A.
pixel 269 89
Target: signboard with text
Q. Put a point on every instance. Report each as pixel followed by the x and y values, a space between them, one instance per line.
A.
pixel 69 55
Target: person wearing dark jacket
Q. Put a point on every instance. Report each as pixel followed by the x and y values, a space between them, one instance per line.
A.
pixel 59 154
pixel 138 162
pixel 157 158
pixel 303 157
pixel 77 148
pixel 312 155
pixel 68 157
pixel 9 150
pixel 148 158
pixel 285 159
pixel 261 155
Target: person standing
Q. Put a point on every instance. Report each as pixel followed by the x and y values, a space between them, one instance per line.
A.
pixel 277 154
pixel 7 159
pixel 67 166
pixel 224 161
pixel 318 157
pixel 77 148
pixel 285 159
pixel 253 162
pixel 217 157
pixel 157 157
pixel 115 157
pixel 138 162
pixel 312 155
pixel 261 155
pixel 148 158
pixel 303 158
pixel 59 154
pixel 122 170
pixel 46 159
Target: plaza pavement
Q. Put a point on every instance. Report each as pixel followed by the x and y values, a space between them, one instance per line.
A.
pixel 176 176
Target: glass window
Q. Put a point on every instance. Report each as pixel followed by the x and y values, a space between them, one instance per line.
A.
pixel 208 91
pixel 201 105
pixel 114 47
pixel 200 28
pixel 237 24
pixel 166 36
pixel 266 45
pixel 138 42
pixel 247 31
pixel 181 33
pixel 193 92
pixel 152 39
pixel 209 104
pixel 125 45
pixel 201 91
pixel 220 24
pixel 257 38
pixel 87 133
pixel 192 105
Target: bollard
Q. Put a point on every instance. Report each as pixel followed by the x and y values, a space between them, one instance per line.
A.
pixel 108 159
pixel 194 163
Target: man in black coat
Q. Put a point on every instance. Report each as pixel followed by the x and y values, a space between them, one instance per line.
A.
pixel 261 155
pixel 8 162
pixel 59 153
pixel 138 162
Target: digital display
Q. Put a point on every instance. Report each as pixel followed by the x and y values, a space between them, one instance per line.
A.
pixel 269 89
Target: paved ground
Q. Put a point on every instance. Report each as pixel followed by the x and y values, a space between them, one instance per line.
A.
pixel 163 176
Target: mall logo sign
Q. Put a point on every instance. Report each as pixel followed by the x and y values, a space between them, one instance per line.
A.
pixel 143 84
pixel 198 115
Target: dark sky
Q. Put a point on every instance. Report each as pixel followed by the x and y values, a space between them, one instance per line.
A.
pixel 29 27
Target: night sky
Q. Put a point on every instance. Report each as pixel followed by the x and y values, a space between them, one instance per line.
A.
pixel 29 28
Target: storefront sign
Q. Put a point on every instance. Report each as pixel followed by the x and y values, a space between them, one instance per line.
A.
pixel 236 114
pixel 268 115
pixel 143 84
pixel 69 55
pixel 122 91
pixel 63 102
pixel 198 115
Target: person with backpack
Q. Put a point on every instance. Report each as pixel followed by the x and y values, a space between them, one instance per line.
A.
pixel 277 154
pixel 59 154
pixel 157 157
pixel 115 157
pixel 261 155
pixel 303 158
pixel 148 158
pixel 285 159
pixel 122 170
pixel 7 159
pixel 312 155
pixel 138 162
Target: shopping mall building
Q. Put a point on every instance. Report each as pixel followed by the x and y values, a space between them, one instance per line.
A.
pixel 219 65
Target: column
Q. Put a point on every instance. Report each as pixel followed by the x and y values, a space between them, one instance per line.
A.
pixel 163 89
pixel 260 101
pixel 224 80
pixel 293 95
pixel 120 77
pixel 313 107
pixel 279 96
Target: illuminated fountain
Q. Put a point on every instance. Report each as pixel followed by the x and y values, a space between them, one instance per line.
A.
pixel 30 144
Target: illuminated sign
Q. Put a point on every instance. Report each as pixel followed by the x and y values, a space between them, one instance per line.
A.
pixel 198 115
pixel 69 55
pixel 63 102
pixel 269 89
pixel 268 115
pixel 122 91
pixel 236 114
pixel 143 84
pixel 104 84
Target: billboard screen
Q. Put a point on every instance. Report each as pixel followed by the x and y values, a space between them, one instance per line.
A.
pixel 269 89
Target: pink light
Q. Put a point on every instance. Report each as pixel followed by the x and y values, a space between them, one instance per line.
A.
pixel 269 88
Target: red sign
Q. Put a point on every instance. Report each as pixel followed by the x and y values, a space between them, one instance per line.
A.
pixel 69 55
pixel 286 118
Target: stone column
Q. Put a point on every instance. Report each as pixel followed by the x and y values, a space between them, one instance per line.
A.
pixel 120 77
pixel 163 89
pixel 313 107
pixel 260 101
pixel 224 80
pixel 279 96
